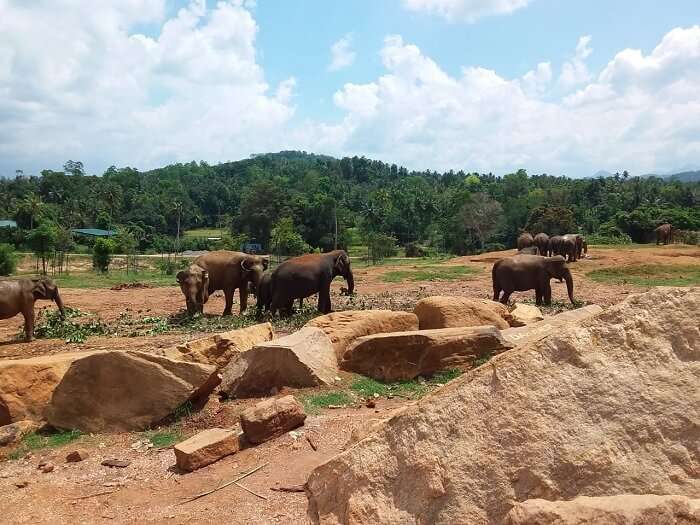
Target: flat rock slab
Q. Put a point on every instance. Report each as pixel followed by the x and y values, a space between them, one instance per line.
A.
pixel 205 448
pixel 607 405
pixel 455 312
pixel 219 349
pixel 627 509
pixel 551 325
pixel 26 385
pixel 125 391
pixel 346 326
pixel 303 359
pixel 272 418
pixel 525 314
pixel 405 355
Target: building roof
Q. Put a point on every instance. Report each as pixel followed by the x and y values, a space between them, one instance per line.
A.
pixel 94 232
pixel 7 223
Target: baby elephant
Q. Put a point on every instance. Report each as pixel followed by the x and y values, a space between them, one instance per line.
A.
pixel 18 296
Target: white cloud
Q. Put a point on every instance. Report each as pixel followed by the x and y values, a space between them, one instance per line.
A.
pixel 342 55
pixel 575 71
pixel 466 10
pixel 640 113
pixel 78 83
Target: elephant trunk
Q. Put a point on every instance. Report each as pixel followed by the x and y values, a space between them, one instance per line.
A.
pixel 59 302
pixel 351 281
pixel 569 286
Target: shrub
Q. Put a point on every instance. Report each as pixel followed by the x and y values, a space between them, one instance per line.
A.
pixel 8 259
pixel 413 249
pixel 102 254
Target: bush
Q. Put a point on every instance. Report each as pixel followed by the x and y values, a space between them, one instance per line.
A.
pixel 413 249
pixel 102 254
pixel 170 265
pixel 597 238
pixel 8 260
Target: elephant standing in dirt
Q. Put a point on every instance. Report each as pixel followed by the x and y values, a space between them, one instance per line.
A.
pixel 664 233
pixel 264 294
pixel 525 240
pixel 220 270
pixel 529 250
pixel 569 246
pixel 541 240
pixel 306 275
pixel 530 272
pixel 18 296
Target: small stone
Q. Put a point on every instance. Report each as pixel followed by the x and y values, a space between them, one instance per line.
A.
pixel 205 448
pixel 47 468
pixel 271 418
pixel 77 456
pixel 370 403
pixel 116 463
pixel 21 483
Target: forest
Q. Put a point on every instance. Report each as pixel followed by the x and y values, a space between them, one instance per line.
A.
pixel 292 202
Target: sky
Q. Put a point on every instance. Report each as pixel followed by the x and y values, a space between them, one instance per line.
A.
pixel 565 87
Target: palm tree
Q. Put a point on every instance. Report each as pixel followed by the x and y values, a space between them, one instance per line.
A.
pixel 32 205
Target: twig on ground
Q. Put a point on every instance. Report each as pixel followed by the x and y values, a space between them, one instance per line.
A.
pixel 103 493
pixel 248 490
pixel 293 488
pixel 313 445
pixel 223 486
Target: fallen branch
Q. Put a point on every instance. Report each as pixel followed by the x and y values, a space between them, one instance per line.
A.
pixel 228 483
pixel 103 493
pixel 248 490
pixel 313 445
pixel 293 488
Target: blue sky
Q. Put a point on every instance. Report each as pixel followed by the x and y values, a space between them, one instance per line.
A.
pixel 564 87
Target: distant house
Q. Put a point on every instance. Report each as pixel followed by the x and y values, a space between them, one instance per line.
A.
pixel 6 223
pixel 94 232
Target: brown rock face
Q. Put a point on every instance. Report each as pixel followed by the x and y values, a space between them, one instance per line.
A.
pixel 271 418
pixel 609 405
pixel 552 325
pixel 218 349
pixel 525 314
pixel 647 509
pixel 205 448
pixel 344 327
pixel 14 432
pixel 26 385
pixel 122 391
pixel 454 312
pixel 302 359
pixel 405 355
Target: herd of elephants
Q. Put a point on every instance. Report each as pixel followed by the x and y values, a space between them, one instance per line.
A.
pixel 539 259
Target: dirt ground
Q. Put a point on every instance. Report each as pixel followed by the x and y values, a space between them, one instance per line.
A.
pixel 150 489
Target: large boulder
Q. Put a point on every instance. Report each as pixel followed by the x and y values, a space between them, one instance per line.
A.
pixel 608 406
pixel 525 314
pixel 454 312
pixel 344 327
pixel 272 418
pixel 405 355
pixel 303 359
pixel 551 325
pixel 26 385
pixel 124 391
pixel 14 432
pixel 218 349
pixel 626 509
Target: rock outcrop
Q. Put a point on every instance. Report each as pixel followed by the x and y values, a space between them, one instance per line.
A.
pixel 124 391
pixel 344 327
pixel 551 325
pixel 219 349
pixel 272 418
pixel 26 385
pixel 405 355
pixel 14 432
pixel 609 405
pixel 303 359
pixel 627 509
pixel 525 314
pixel 206 448
pixel 455 312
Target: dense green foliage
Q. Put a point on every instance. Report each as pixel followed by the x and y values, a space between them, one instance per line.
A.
pixel 8 259
pixel 102 254
pixel 292 199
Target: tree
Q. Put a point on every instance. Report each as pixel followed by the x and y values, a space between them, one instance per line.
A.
pixel 32 206
pixel 286 240
pixel 8 260
pixel 43 242
pixel 481 218
pixel 102 254
pixel 552 220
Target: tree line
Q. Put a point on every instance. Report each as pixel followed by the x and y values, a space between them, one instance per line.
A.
pixel 296 202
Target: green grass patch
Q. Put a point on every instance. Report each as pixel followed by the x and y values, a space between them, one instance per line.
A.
pixel 430 273
pixel 313 403
pixel 75 328
pixel 203 232
pixel 557 306
pixel 411 388
pixel 635 246
pixel 164 438
pixel 38 441
pixel 649 275
pixel 108 280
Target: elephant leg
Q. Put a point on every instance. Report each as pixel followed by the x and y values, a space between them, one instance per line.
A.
pixel 243 293
pixel 547 294
pixel 538 295
pixel 324 298
pixel 301 303
pixel 505 296
pixel 28 324
pixel 496 291
pixel 228 294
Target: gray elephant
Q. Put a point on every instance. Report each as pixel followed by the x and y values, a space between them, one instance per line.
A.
pixel 264 294
pixel 530 272
pixel 307 275
pixel 525 240
pixel 664 233
pixel 17 296
pixel 529 250
pixel 221 270
pixel 569 246
pixel 541 240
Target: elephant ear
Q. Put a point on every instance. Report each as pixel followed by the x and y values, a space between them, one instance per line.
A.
pixel 341 263
pixel 245 264
pixel 180 277
pixel 555 266
pixel 40 289
pixel 265 262
pixel 203 291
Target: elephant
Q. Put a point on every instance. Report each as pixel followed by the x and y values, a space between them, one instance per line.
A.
pixel 530 250
pixel 554 245
pixel 527 272
pixel 569 246
pixel 264 294
pixel 581 246
pixel 664 233
pixel 525 240
pixel 541 240
pixel 221 270
pixel 18 296
pixel 306 275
